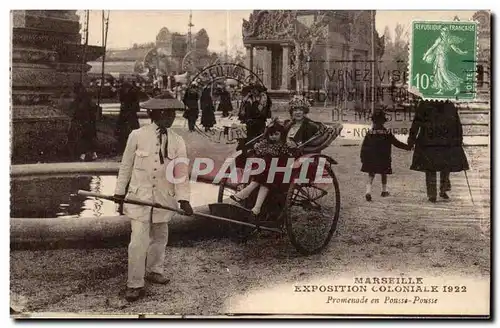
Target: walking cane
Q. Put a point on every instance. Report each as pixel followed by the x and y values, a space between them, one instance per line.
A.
pixel 468 185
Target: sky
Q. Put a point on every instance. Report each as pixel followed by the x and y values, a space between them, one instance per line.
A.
pixel 127 27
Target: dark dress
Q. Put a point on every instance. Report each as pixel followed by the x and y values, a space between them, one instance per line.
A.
pixel 267 151
pixel 127 118
pixel 192 111
pixel 437 134
pixel 225 105
pixel 376 151
pixel 207 109
pixel 306 131
pixel 254 115
pixel 82 135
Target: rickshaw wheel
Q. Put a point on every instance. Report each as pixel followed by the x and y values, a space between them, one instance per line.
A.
pixel 306 217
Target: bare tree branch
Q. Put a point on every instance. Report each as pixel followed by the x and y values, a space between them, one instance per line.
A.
pixel 305 39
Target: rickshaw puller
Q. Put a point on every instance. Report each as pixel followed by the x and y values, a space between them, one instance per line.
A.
pixel 143 172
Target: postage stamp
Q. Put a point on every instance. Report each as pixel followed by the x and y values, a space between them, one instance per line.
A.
pixel 443 56
pixel 225 164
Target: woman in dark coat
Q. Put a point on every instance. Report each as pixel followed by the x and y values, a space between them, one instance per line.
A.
pixel 225 105
pixel 300 128
pixel 207 109
pixel 437 135
pixel 191 101
pixel 254 111
pixel 127 118
pixel 83 133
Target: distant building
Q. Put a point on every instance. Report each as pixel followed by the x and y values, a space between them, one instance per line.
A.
pixel 167 54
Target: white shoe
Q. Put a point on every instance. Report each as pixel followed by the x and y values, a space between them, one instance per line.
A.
pixel 94 156
pixel 255 212
pixel 82 157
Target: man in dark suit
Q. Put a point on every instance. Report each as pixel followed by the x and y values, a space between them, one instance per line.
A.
pixel 436 133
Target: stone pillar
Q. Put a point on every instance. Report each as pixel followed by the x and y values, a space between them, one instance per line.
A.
pixel 266 66
pixel 249 57
pixel 46 61
pixel 285 75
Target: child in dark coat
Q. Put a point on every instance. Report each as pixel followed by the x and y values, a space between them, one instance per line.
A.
pixel 376 153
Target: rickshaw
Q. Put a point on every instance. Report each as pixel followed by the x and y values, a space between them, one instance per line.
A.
pixel 306 211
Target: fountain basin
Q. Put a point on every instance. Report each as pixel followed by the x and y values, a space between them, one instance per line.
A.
pixel 47 212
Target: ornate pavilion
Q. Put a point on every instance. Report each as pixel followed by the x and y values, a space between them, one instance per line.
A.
pixel 347 45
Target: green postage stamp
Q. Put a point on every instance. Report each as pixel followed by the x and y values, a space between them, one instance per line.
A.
pixel 443 58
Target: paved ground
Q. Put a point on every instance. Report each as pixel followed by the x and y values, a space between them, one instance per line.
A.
pixel 401 234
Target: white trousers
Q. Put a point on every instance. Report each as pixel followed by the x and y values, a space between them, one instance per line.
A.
pixel 146 251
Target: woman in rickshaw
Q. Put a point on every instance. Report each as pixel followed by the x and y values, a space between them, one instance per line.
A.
pixel 307 208
pixel 295 132
pixel 300 128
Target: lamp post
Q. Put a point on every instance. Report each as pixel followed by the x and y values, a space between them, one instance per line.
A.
pixel 372 23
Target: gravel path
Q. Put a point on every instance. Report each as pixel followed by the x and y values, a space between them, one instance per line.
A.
pixel 399 234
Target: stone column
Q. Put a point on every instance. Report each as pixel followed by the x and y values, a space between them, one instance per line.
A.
pixel 285 75
pixel 249 57
pixel 266 66
pixel 46 62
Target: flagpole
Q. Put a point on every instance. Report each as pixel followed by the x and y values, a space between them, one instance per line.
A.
pixel 373 60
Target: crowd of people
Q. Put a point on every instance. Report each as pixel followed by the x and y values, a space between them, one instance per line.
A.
pixel 435 134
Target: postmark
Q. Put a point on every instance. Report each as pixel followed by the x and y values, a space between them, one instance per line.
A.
pixel 228 130
pixel 443 57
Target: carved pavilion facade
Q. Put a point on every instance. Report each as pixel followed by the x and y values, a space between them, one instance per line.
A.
pixel 347 45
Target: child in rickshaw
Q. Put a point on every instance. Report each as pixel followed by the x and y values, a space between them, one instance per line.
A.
pixel 272 146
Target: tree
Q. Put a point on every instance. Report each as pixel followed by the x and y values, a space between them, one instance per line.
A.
pixel 304 40
pixel 396 52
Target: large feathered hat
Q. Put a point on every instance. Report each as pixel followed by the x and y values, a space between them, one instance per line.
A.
pixel 299 102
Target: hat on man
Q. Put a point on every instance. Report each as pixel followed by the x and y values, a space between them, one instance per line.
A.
pixel 164 101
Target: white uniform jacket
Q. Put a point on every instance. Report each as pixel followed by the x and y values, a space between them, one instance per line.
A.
pixel 146 177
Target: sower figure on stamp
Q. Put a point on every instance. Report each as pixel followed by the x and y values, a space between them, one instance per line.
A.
pixel 437 135
pixel 144 167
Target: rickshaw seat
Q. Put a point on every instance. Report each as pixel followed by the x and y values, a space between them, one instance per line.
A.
pixel 326 136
